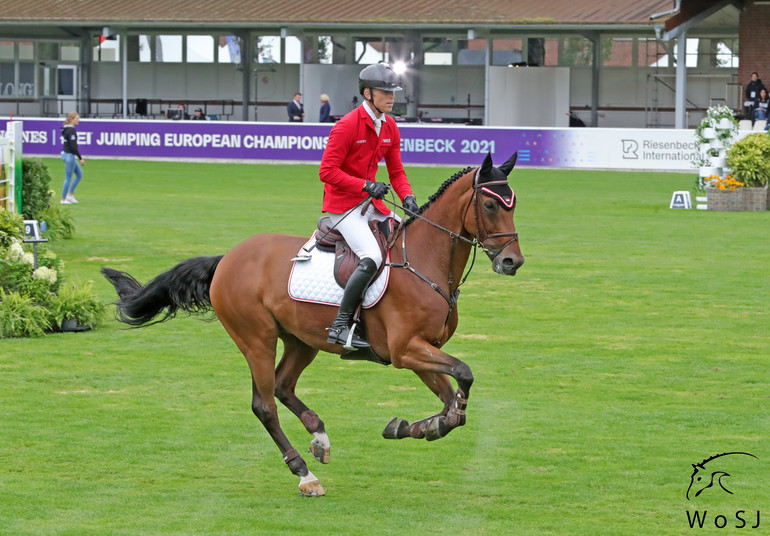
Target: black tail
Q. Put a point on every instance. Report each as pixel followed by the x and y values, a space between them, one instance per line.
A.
pixel 185 286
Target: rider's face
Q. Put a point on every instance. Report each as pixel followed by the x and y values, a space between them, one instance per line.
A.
pixel 383 99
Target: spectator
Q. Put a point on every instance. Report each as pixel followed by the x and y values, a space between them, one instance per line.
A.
pixel 295 109
pixel 323 117
pixel 761 105
pixel 70 155
pixel 752 94
pixel 199 115
pixel 179 114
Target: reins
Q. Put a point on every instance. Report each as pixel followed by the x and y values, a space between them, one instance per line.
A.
pixel 476 243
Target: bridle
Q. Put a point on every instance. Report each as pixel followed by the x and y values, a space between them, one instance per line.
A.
pixel 482 235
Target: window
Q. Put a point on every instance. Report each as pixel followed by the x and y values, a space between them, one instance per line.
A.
pixel 229 49
pixel 618 52
pixel 268 49
pixel 106 49
pixel 368 50
pixel 168 48
pixel 6 50
pixel 293 50
pixel 437 51
pixel 69 52
pixel 200 49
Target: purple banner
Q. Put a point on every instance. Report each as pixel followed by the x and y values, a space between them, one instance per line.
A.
pixel 213 140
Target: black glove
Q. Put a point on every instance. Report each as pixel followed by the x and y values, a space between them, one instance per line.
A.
pixel 376 190
pixel 410 204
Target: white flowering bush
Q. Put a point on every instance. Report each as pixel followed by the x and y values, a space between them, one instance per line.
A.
pixel 33 300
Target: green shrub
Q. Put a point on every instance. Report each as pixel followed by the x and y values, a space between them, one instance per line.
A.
pixel 60 223
pixel 11 227
pixel 749 159
pixel 77 302
pixel 35 191
pixel 20 317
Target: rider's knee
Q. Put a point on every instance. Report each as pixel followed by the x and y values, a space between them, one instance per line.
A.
pixel 371 263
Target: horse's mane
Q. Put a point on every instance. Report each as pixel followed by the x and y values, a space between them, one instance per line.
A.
pixel 439 192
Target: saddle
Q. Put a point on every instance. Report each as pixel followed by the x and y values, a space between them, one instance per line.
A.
pixel 346 260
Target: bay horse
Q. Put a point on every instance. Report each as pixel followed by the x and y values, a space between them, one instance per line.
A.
pixel 247 290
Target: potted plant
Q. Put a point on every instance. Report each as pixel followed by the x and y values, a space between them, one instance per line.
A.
pixel 724 194
pixel 749 160
pixel 75 308
pixel 715 134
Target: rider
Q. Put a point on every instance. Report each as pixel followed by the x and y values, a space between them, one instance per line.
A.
pixel 357 142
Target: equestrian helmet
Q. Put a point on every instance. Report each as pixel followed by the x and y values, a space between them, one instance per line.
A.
pixel 378 76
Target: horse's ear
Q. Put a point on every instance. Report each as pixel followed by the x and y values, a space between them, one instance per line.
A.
pixel 486 167
pixel 508 166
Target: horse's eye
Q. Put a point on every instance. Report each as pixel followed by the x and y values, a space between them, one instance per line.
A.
pixel 489 205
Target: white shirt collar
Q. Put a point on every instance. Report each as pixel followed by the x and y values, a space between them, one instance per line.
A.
pixel 371 113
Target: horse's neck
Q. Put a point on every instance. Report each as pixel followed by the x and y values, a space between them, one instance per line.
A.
pixel 431 249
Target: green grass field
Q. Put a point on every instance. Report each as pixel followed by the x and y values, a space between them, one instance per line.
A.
pixel 632 343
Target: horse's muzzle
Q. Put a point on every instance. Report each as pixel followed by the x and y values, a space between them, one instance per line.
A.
pixel 507 264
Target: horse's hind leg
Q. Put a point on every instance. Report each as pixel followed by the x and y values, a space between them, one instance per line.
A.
pixel 260 355
pixel 296 357
pixel 442 387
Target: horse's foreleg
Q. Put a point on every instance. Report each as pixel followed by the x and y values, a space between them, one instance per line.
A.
pixel 426 360
pixel 296 357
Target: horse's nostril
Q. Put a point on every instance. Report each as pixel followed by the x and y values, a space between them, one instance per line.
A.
pixel 508 262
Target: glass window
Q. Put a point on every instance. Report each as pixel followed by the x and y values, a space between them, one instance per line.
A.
pixel 168 48
pixel 578 52
pixel 47 50
pixel 200 49
pixel 106 48
pixel 69 52
pixel 727 53
pixel 7 82
pixel 268 49
pixel 617 52
pixel 437 51
pixel 368 50
pixel 649 52
pixel 6 50
pixel 229 49
pixel 26 50
pixel 293 49
pixel 26 84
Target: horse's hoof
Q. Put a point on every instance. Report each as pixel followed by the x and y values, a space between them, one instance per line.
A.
pixel 433 429
pixel 396 429
pixel 311 487
pixel 319 451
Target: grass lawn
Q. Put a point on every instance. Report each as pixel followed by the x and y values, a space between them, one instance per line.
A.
pixel 632 344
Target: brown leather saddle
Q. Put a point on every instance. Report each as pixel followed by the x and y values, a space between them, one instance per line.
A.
pixel 328 239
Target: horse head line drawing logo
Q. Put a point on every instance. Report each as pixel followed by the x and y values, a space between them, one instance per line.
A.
pixel 704 477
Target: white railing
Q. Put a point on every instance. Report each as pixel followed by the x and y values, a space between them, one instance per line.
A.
pixel 10 166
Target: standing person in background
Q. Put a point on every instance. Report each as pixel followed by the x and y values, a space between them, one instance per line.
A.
pixel 752 94
pixel 72 159
pixel 323 116
pixel 295 109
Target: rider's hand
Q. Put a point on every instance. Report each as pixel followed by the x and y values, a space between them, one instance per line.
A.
pixel 376 190
pixel 410 204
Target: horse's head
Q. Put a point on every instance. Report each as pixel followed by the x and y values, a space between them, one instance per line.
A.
pixel 491 220
pixel 702 479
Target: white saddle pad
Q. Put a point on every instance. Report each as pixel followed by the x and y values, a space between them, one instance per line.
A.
pixel 313 280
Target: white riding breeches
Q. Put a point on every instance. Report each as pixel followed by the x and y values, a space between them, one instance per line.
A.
pixel 355 228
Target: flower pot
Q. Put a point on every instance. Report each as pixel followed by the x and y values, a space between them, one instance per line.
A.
pixel 705 148
pixel 718 161
pixel 725 200
pixel 725 124
pixel 708 133
pixel 755 198
pixel 716 143
pixel 706 171
pixel 72 325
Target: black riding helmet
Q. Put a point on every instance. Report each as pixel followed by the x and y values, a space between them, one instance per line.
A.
pixel 378 76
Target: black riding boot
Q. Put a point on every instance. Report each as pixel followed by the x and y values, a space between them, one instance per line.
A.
pixel 355 289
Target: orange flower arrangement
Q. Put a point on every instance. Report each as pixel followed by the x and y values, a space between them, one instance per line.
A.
pixel 728 183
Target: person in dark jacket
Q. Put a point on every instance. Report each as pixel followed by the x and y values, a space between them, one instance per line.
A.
pixel 762 105
pixel 72 158
pixel 752 94
pixel 295 109
pixel 323 116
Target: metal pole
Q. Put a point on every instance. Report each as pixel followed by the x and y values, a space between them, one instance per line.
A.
pixel 680 113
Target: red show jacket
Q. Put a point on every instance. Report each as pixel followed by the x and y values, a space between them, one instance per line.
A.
pixel 351 157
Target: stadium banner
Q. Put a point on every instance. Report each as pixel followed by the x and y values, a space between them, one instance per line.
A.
pixel 590 148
